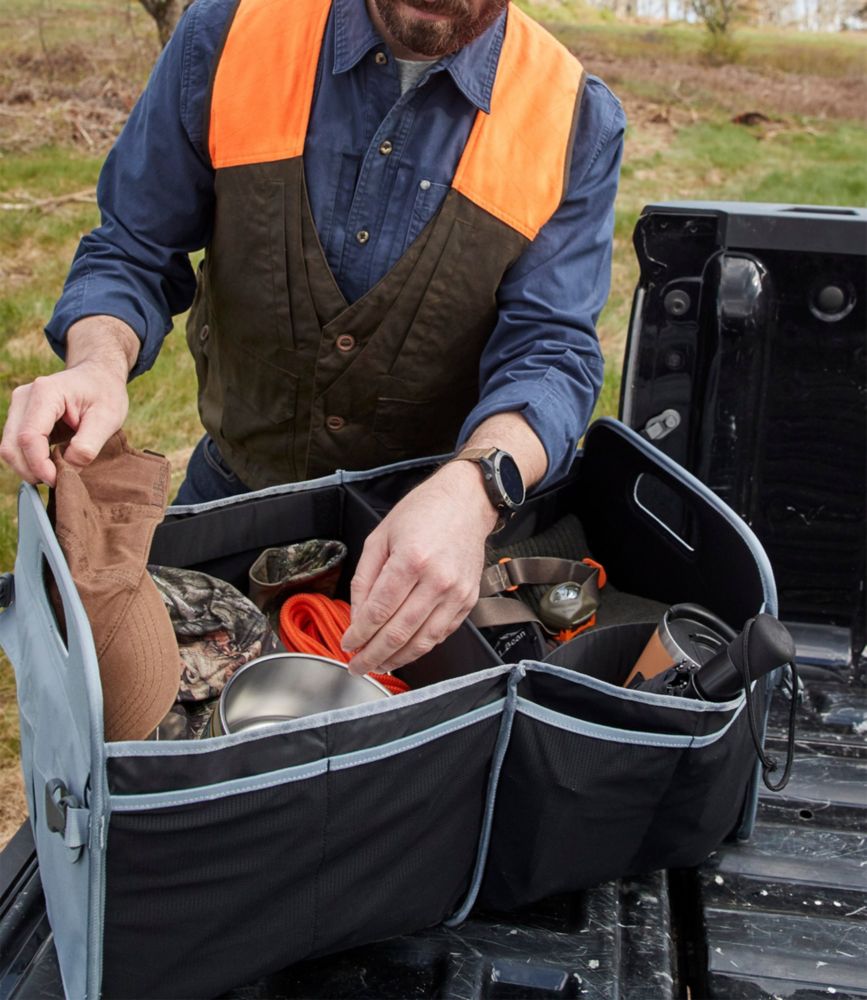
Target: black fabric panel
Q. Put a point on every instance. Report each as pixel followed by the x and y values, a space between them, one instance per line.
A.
pixel 571 811
pixel 139 775
pixel 640 555
pixel 607 653
pixel 702 803
pixel 402 838
pixel 197 539
pixel 203 897
pixel 206 897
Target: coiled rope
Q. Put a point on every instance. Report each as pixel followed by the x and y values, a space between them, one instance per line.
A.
pixel 315 623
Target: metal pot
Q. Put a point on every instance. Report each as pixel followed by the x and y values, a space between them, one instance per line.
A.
pixel 286 686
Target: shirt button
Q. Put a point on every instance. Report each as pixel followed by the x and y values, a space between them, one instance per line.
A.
pixel 386 147
pixel 335 423
pixel 424 185
pixel 380 58
pixel 362 236
pixel 345 342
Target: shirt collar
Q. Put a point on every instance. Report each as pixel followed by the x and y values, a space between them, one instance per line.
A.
pixel 473 68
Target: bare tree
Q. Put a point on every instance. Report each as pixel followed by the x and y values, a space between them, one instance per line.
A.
pixel 166 13
pixel 718 16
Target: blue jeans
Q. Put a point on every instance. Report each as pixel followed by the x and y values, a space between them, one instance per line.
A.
pixel 208 476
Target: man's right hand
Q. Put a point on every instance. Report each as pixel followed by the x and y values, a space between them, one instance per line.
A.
pixel 90 396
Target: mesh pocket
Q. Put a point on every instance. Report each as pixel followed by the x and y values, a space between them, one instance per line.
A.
pixel 580 801
pixel 190 887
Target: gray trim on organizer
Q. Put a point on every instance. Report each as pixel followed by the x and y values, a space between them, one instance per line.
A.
pixel 613 735
pixel 183 748
pixel 358 757
pixel 632 694
pixel 337 478
pixel 33 546
pixel 208 793
pixel 269 491
pixel 500 748
pixel 300 772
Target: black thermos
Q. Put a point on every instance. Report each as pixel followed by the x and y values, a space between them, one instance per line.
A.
pixel 769 646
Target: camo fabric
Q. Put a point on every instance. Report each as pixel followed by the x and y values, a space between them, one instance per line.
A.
pixel 312 565
pixel 218 629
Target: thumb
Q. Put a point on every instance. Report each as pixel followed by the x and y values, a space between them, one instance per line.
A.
pixel 94 429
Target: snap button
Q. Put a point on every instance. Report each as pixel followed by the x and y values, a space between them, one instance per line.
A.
pixel 424 185
pixel 334 423
pixel 385 147
pixel 362 236
pixel 380 58
pixel 345 342
pixel 204 333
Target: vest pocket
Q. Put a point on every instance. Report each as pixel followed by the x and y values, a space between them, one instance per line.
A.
pixel 414 427
pixel 257 422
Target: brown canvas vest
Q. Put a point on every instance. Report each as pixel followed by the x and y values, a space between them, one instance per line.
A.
pixel 294 382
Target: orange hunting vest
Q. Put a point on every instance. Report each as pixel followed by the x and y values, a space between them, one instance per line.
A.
pixel 294 381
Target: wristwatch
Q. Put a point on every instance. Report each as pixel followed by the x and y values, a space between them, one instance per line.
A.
pixel 502 478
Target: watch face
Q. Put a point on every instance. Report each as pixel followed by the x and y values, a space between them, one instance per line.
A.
pixel 510 481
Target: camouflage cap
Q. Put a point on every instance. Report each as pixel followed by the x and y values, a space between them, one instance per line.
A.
pixel 218 629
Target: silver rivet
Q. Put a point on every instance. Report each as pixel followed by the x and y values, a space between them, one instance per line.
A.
pixel 424 185
pixel 380 58
pixel 362 236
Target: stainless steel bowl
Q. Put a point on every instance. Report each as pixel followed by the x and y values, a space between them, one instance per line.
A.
pixel 286 686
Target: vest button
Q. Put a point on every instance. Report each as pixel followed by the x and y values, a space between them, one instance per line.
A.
pixel 362 236
pixel 345 342
pixel 204 333
pixel 380 58
pixel 335 423
pixel 386 147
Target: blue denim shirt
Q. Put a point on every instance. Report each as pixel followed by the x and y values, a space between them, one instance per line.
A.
pixel 156 195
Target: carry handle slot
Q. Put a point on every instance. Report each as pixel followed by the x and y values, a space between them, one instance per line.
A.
pixel 656 500
pixel 73 661
pixel 644 553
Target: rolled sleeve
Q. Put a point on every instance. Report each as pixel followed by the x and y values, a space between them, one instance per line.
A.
pixel 543 358
pixel 156 195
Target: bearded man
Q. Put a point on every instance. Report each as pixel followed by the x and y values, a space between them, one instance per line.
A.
pixel 407 212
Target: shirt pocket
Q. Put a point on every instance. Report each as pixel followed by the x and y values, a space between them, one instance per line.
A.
pixel 428 198
pixel 332 226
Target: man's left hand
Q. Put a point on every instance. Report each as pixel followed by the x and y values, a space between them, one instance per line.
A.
pixel 418 576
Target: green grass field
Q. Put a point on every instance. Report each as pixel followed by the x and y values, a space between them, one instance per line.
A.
pixel 81 62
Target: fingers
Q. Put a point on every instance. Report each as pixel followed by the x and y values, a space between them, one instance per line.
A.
pixel 91 401
pixel 435 630
pixel 373 558
pixel 383 585
pixel 95 428
pixel 432 609
pixel 33 412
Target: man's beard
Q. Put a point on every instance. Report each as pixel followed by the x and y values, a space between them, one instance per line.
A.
pixel 438 38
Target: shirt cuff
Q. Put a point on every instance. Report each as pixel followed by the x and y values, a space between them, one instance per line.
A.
pixel 148 325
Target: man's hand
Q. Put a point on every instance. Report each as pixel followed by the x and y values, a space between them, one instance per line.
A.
pixel 419 573
pixel 90 396
pixel 418 576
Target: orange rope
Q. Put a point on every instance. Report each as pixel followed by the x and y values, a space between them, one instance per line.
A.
pixel 314 624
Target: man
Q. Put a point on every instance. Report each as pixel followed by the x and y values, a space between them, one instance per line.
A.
pixel 407 210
